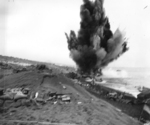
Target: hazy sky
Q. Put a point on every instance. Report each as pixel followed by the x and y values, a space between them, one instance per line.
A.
pixel 34 29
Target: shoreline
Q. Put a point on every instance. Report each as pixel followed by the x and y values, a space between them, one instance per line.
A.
pixel 128 107
pixel 84 104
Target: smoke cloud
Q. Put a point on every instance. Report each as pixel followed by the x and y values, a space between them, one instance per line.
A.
pixel 95 46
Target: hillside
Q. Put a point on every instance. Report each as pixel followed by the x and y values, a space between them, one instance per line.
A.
pixel 80 108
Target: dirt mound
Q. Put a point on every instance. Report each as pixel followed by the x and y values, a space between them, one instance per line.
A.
pixel 83 108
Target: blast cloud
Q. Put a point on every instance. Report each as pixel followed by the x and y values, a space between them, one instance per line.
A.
pixel 95 46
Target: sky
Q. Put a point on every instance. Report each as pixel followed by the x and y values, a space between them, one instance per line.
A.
pixel 35 29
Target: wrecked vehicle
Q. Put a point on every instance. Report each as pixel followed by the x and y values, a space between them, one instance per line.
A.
pixel 14 94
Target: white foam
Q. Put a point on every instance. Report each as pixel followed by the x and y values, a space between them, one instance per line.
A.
pixel 19 63
pixel 100 82
pixel 112 73
pixel 128 89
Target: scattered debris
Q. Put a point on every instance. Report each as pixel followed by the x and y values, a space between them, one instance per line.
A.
pixel 119 110
pixel 63 86
pixel 79 103
pixel 23 93
pixel 55 102
pixel 42 67
pixel 65 98
pixel 112 94
pixel 72 75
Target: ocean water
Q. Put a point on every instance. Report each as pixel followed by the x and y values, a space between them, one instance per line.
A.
pixel 129 80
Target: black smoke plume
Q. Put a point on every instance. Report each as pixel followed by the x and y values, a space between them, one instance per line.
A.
pixel 95 46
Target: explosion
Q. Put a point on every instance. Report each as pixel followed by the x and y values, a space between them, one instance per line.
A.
pixel 95 46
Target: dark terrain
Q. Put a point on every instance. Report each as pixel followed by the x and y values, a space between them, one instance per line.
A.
pixel 85 106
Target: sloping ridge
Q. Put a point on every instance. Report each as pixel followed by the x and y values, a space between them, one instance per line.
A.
pixel 90 110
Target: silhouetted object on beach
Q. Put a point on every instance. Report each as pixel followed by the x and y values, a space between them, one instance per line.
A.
pixel 41 67
pixel 144 95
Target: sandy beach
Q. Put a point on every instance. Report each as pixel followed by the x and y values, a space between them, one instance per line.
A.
pixel 84 108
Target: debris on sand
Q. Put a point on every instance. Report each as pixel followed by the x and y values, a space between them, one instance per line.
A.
pixel 63 86
pixel 39 95
pixel 14 94
pixel 23 93
pixel 79 103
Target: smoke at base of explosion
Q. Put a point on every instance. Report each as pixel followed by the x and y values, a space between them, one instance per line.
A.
pixel 95 46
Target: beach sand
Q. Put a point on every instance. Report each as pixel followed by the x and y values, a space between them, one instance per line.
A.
pixel 85 108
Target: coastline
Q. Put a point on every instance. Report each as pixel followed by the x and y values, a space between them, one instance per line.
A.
pixel 85 108
pixel 128 104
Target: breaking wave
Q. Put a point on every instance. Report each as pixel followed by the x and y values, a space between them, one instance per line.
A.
pixel 112 73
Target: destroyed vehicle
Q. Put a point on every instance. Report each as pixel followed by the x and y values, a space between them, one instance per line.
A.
pixel 72 75
pixel 14 93
pixel 51 96
pixel 112 95
pixel 55 96
pixel 127 101
pixel 41 67
pixel 17 70
pixel 144 95
pixel 66 98
pixel 128 96
pixel 37 98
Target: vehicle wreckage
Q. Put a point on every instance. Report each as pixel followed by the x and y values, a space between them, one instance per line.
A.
pixel 16 94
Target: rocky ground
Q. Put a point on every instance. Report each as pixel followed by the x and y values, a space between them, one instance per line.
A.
pixel 83 108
